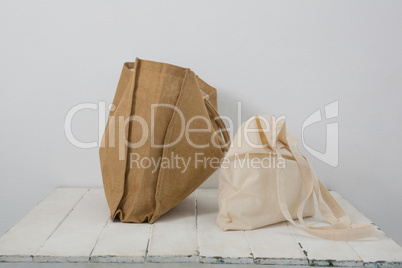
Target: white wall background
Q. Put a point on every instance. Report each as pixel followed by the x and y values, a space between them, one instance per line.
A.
pixel 277 57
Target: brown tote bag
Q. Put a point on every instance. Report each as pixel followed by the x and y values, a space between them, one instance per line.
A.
pixel 163 139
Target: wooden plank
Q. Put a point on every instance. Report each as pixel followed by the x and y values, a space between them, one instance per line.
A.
pixel 72 223
pixel 216 246
pixel 380 251
pixel 122 243
pixel 275 245
pixel 174 235
pixel 322 252
pixel 27 236
pixel 76 237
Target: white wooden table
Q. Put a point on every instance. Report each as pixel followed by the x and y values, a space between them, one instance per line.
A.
pixel 71 225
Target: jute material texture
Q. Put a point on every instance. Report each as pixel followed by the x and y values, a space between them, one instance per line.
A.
pixel 161 130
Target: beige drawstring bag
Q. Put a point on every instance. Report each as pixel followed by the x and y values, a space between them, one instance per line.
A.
pixel 264 179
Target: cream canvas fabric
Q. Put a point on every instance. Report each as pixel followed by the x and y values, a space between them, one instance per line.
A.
pixel 264 179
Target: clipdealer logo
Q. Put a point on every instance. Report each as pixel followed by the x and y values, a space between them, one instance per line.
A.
pixel 331 154
pixel 330 112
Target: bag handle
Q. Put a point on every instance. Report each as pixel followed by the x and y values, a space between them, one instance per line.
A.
pixel 336 215
pixel 341 227
pixel 333 213
pixel 211 109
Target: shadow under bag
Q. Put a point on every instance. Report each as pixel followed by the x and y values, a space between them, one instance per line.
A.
pixel 149 160
pixel 267 180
